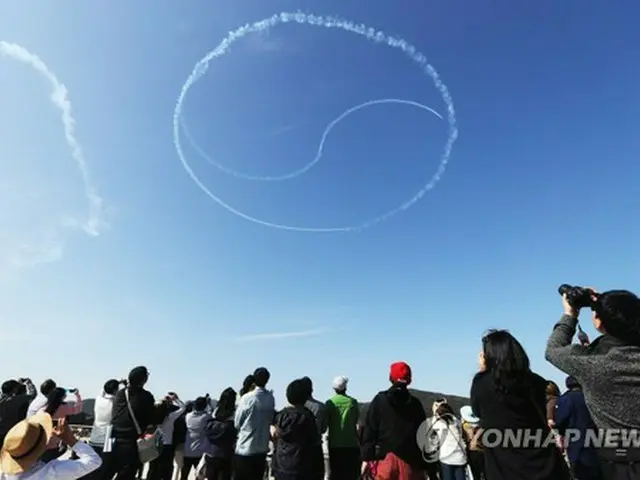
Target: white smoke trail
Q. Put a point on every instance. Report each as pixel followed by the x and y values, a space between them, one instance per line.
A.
pixel 370 34
pixel 319 152
pixel 59 96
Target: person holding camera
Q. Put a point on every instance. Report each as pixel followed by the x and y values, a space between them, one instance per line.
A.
pixel 608 369
pixel 26 442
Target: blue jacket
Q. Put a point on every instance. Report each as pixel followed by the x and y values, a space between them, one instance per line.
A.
pixel 572 414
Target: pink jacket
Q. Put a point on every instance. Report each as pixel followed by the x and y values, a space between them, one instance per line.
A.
pixel 64 410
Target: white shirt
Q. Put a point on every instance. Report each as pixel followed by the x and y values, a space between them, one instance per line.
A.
pixel 36 405
pixel 87 462
pixel 167 426
pixel 102 412
pixel 452 449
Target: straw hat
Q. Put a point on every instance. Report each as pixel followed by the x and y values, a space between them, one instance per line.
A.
pixel 25 443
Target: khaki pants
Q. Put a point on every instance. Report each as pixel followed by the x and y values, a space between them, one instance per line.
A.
pixel 178 461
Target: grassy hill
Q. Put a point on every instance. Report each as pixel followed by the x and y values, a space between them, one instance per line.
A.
pixel 427 399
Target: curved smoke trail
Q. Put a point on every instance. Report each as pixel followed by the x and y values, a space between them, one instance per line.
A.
pixel 59 96
pixel 305 168
pixel 370 34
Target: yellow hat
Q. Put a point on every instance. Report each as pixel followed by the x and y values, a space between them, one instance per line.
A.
pixel 25 443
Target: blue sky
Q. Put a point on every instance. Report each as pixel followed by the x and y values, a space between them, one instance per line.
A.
pixel 540 190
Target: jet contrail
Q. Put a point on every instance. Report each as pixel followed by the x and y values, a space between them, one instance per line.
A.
pixel 331 22
pixel 60 98
pixel 281 335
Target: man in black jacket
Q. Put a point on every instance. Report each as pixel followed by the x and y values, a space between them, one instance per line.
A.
pixel 14 403
pixel 609 372
pixel 391 427
pixel 124 434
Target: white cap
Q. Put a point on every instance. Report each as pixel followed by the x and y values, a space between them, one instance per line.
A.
pixel 467 415
pixel 340 383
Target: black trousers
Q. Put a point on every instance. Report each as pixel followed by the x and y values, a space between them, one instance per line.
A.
pixel 249 467
pixel 475 459
pixel 162 467
pixel 189 463
pixel 126 463
pixel 344 463
pixel 433 470
pixel 219 468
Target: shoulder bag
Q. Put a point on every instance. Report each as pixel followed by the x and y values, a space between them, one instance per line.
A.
pixel 149 446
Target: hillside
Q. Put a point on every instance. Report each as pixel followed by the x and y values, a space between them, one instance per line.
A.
pixel 427 399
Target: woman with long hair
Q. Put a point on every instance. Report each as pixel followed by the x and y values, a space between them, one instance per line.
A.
pixel 510 401
pixel 59 409
pixel 221 435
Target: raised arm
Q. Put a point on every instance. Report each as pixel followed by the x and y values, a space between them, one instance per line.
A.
pixel 572 359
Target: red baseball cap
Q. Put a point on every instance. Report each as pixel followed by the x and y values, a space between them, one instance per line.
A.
pixel 400 373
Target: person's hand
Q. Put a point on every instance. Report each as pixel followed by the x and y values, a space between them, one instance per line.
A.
pixel 363 468
pixel 64 433
pixel 568 309
pixel 482 362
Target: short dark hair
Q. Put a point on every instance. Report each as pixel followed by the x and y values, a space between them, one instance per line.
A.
pixel 572 383
pixel 619 311
pixel 261 377
pixel 47 387
pixel 308 384
pixel 138 376
pixel 297 393
pixel 200 404
pixel 111 386
pixel 10 386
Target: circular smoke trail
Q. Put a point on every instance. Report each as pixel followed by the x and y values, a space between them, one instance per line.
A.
pixel 371 34
pixel 29 251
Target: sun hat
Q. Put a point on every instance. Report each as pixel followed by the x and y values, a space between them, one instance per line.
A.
pixel 340 383
pixel 25 443
pixel 467 415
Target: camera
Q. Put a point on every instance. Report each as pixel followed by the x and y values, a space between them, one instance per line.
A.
pixel 578 297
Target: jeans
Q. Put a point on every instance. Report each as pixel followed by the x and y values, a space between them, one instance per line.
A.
pixel 453 472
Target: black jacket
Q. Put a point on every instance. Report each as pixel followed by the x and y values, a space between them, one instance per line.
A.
pixel 296 446
pixel 13 409
pixel 143 405
pixel 222 437
pixel 523 409
pixel 391 426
